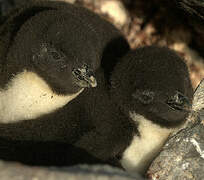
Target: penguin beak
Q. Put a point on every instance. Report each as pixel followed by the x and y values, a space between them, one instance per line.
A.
pixel 179 102
pixel 84 77
pixel 91 80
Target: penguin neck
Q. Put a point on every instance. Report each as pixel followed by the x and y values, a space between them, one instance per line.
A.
pixel 27 96
pixel 144 148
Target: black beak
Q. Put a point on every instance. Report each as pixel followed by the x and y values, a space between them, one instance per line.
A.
pixel 84 77
pixel 179 102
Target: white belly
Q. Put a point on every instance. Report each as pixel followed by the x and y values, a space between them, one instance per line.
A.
pixel 142 150
pixel 28 96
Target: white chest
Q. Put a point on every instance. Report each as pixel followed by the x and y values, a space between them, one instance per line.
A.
pixel 142 150
pixel 28 96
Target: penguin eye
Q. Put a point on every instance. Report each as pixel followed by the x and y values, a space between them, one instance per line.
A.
pixel 55 55
pixel 145 97
pixel 52 52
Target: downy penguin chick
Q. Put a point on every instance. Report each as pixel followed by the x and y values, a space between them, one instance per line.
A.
pixel 49 53
pixel 152 86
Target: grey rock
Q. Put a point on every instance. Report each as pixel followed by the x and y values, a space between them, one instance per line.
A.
pixel 15 171
pixel 198 100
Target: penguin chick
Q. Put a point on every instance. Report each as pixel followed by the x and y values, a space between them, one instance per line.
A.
pixel 49 55
pixel 38 77
pixel 152 86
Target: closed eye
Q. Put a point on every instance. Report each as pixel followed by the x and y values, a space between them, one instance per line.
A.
pixel 145 97
pixel 55 55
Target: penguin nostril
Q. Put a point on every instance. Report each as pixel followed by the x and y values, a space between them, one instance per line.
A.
pixel 85 66
pixel 178 101
pixel 178 98
pixel 78 74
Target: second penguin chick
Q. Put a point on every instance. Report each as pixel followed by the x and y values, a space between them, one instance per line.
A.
pixel 49 53
pixel 152 86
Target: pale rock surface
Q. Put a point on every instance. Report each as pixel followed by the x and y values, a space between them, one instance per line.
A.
pixel 115 10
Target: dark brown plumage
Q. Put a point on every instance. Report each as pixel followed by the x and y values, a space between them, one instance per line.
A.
pixel 149 95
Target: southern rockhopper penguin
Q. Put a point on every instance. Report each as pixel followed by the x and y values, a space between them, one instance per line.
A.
pixel 150 96
pixel 49 52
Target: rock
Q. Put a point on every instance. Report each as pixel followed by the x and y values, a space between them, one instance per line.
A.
pixel 164 16
pixel 115 10
pixel 182 156
pixel 198 102
pixel 14 171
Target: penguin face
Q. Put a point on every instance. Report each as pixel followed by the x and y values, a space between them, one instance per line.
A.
pixel 42 85
pixel 63 72
pixel 166 109
pixel 153 82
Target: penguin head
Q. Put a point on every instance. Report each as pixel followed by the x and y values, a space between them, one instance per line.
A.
pixel 65 72
pixel 50 59
pixel 153 82
pixel 54 46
